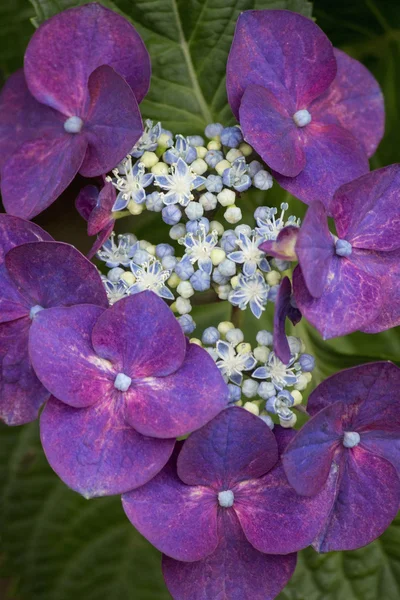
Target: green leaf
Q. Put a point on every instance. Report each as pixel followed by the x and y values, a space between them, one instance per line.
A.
pixel 15 31
pixel 189 42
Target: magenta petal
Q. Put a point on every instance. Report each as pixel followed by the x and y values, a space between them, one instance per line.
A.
pixel 71 45
pixel 354 100
pixel 315 249
pixel 12 304
pixel 113 124
pixel 389 315
pixel 277 520
pixel 333 157
pixel 86 201
pixel 179 403
pixel 63 357
pixel 55 274
pixel 279 50
pixel 367 501
pixel 21 393
pixel 281 344
pixel 39 171
pixel 179 520
pixel 95 452
pixel 347 286
pixel 235 571
pixel 101 216
pixel 142 335
pixel 15 231
pixel 269 128
pixel 234 446
pixel 284 245
pixel 102 237
pixel 308 458
pixel 367 210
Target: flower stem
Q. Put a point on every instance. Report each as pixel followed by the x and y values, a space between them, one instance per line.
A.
pixel 121 214
pixel 237 316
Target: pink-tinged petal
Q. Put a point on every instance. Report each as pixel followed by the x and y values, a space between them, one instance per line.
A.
pixel 113 123
pixel 39 171
pixel 22 118
pixel 178 519
pixel 102 237
pixel 15 231
pixel 315 249
pixel 95 452
pixel 333 157
pixel 101 216
pixel 63 357
pixel 277 520
pixel 86 201
pixel 235 571
pixel 284 245
pixel 308 458
pixel 179 403
pixel 355 101
pixel 269 128
pixel 21 393
pixel 141 334
pixel 12 304
pixel 389 315
pixel 281 51
pixel 351 299
pixel 284 309
pixel 55 274
pixel 71 45
pixel 367 501
pixel 234 446
pixel 367 210
pixel 384 443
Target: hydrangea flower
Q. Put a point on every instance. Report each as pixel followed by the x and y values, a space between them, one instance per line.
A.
pixel 223 513
pixel 151 276
pixel 359 270
pixel 148 140
pixel 281 374
pixel 312 113
pixel 116 290
pixel 35 275
pixel 182 149
pixel 249 255
pixel 198 248
pixel 252 291
pixel 130 181
pixel 73 108
pixel 118 254
pixel 237 175
pixel 354 433
pixel 232 363
pixel 96 208
pixel 179 184
pixel 127 382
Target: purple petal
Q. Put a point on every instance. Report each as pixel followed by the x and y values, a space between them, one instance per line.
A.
pixel 367 501
pixel 234 571
pixel 102 237
pixel 113 124
pixel 141 334
pixel 389 315
pixel 12 304
pixel 39 171
pixel 86 201
pixel 315 249
pixel 95 452
pixel 282 308
pixel 55 274
pixel 283 52
pixel 21 393
pixel 308 458
pixel 234 446
pixel 15 231
pixel 178 519
pixel 63 357
pixel 284 245
pixel 268 127
pixel 348 286
pixel 101 216
pixel 277 520
pixel 354 100
pixel 71 45
pixel 334 157
pixel 367 210
pixel 181 402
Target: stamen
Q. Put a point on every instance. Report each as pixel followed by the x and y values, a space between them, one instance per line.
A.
pixel 226 498
pixel 35 310
pixel 73 125
pixel 302 118
pixel 351 439
pixel 122 382
pixel 343 248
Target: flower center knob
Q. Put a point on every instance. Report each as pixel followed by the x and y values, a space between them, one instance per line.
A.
pixel 302 118
pixel 73 125
pixel 343 248
pixel 351 439
pixel 34 311
pixel 226 498
pixel 122 382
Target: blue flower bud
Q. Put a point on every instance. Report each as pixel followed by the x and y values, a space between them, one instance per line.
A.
pixel 184 269
pixel 213 157
pixel 273 293
pixel 114 274
pixel 286 396
pixel 140 257
pixel 266 390
pixel 200 281
pixel 227 268
pixel 194 226
pixel 217 277
pixel 195 140
pixel 307 362
pixel 213 129
pixel 187 324
pixel 264 338
pixel 154 202
pixel 263 180
pixel 171 214
pixel 214 183
pixel 169 262
pixel 343 248
pixel 210 336
pixel 270 405
pixel 228 241
pixel 234 392
pixel 164 250
pixel 231 137
pixel 281 265
pixel 194 210
pixel 262 212
pixel 254 167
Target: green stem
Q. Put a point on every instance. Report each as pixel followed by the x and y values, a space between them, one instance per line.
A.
pixel 121 214
pixel 237 317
